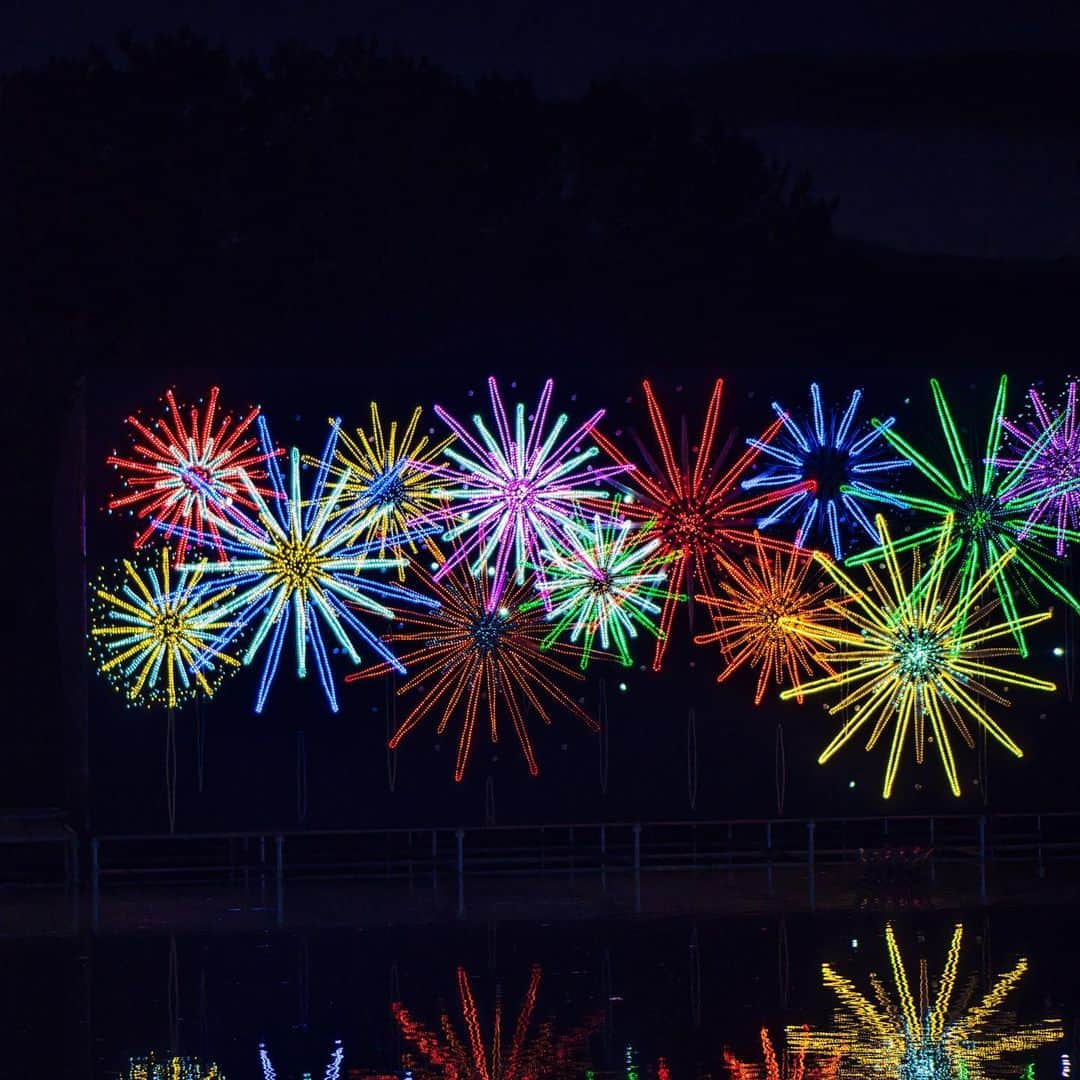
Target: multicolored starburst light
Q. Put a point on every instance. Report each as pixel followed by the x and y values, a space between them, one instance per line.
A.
pixel 842 457
pixel 466 652
pixel 154 638
pixel 1044 453
pixel 688 505
pixel 921 657
pixel 916 1036
pixel 516 495
pixel 180 466
pixel 991 512
pixel 306 562
pixel 765 615
pixel 608 582
pixel 397 465
pixel 534 1050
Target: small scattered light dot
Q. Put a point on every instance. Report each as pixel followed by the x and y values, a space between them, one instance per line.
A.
pixel 623 687
pixel 1058 650
pixel 851 783
pixel 854 942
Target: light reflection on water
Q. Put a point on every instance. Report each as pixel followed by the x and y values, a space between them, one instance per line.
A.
pixel 924 997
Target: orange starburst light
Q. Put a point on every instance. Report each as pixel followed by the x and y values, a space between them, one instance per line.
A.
pixel 765 615
pixel 466 654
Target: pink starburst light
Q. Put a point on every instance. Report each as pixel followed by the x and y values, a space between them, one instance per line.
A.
pixel 513 494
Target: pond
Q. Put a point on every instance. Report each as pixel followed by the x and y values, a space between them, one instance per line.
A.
pixel 910 993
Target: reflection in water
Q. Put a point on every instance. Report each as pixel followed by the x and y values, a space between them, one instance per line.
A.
pixel 171 1067
pixel 916 1038
pixel 531 1053
pixel 333 1070
pixel 790 1065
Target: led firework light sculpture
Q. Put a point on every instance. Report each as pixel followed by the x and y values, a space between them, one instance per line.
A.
pixel 842 458
pixel 1045 452
pixel 608 582
pixel 154 639
pixel 171 1067
pixel 765 616
pixel 306 562
pixel 391 469
pixel 921 656
pixel 918 1037
pixel 333 1068
pixel 517 493
pixel 465 651
pixel 991 511
pixel 688 505
pixel 179 467
pixel 787 1065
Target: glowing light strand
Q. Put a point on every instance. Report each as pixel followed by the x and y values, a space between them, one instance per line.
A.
pixel 845 465
pixel 179 466
pixel 919 658
pixel 333 1068
pixel 688 503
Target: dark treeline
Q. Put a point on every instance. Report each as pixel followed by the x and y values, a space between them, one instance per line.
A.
pixel 175 169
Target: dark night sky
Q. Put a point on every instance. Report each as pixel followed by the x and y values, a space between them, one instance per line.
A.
pixel 562 46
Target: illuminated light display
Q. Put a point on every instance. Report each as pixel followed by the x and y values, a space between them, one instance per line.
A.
pixel 517 494
pixel 305 562
pixel 464 653
pixel 766 617
pixel 154 638
pixel 787 1065
pixel 844 461
pixel 608 582
pixel 1044 455
pixel 688 504
pixel 922 654
pixel 180 466
pixel 534 1049
pixel 991 512
pixel 171 1067
pixel 390 468
pixel 333 1069
pixel 916 1036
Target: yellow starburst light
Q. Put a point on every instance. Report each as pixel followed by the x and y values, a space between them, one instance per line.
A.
pixel 399 464
pixel 153 637
pixel 920 657
pixel 919 1037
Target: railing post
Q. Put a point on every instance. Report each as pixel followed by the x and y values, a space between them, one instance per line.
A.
pixel 768 836
pixel 933 866
pixel 279 856
pixel 982 857
pixel 603 840
pixel 810 828
pixel 637 848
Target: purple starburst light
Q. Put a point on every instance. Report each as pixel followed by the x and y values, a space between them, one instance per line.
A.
pixel 1044 455
pixel 512 495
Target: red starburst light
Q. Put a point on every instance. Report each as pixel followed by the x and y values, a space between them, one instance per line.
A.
pixel 691 504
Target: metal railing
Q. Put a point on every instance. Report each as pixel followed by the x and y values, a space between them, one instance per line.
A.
pixel 1033 838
